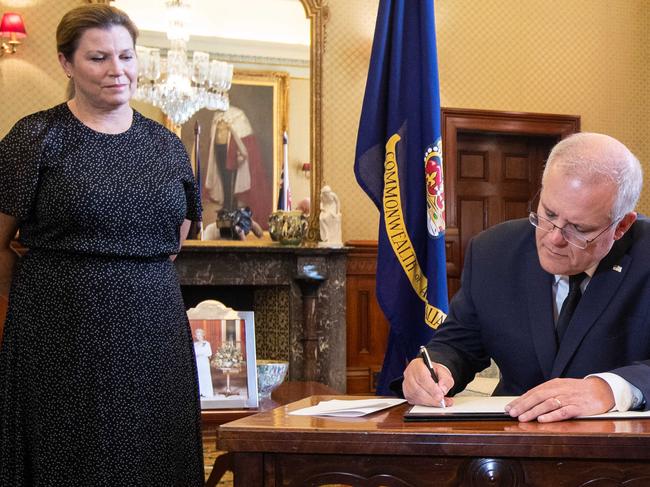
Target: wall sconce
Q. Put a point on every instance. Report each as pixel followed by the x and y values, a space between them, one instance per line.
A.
pixel 13 27
pixel 305 167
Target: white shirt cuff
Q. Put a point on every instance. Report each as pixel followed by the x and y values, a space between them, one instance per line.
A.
pixel 626 396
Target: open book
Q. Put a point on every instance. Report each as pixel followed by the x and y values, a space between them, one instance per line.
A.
pixel 491 408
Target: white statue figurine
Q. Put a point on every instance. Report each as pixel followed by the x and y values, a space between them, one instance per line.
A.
pixel 330 218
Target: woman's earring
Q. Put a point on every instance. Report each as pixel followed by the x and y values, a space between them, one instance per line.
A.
pixel 68 75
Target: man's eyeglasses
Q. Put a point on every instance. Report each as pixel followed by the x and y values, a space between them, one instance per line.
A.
pixel 569 232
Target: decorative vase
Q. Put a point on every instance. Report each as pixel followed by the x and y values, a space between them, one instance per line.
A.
pixel 270 374
pixel 287 227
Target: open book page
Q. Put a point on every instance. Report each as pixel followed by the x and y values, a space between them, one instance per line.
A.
pixel 349 408
pixel 468 404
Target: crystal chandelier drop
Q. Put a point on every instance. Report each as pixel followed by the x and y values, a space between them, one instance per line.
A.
pixel 174 84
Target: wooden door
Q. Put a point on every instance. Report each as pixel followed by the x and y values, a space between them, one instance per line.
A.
pixel 493 180
pixel 493 163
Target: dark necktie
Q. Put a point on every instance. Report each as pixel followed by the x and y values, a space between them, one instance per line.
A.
pixel 569 305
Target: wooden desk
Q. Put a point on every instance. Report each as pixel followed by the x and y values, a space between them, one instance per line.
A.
pixel 286 393
pixel 273 449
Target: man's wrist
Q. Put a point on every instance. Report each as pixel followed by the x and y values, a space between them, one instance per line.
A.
pixel 626 395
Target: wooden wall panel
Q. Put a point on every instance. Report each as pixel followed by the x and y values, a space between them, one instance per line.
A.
pixel 367 328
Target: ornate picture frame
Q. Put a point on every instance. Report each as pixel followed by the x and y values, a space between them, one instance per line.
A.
pixel 240 151
pixel 224 347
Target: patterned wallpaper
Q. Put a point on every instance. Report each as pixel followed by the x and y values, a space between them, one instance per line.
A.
pixel 349 33
pixel 32 79
pixel 578 57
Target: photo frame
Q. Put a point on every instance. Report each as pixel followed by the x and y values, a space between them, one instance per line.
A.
pixel 224 347
pixel 240 151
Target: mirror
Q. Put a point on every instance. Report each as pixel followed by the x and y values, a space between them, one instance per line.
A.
pixel 271 69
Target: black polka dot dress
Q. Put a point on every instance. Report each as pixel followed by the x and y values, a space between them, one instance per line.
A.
pixel 97 374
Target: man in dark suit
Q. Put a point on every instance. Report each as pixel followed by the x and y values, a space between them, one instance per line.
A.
pixel 560 301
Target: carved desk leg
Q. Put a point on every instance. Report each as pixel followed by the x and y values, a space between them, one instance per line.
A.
pixel 222 464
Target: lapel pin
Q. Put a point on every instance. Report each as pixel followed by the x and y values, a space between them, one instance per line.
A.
pixel 617 268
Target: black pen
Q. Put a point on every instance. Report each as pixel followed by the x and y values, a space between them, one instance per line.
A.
pixel 424 354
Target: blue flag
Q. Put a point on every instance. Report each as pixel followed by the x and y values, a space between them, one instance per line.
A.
pixel 399 164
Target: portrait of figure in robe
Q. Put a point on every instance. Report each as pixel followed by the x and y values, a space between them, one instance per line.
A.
pixel 235 175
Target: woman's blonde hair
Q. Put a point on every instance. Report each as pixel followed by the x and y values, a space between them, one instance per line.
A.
pixel 93 16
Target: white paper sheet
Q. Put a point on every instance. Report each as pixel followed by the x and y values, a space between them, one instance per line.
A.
pixel 349 408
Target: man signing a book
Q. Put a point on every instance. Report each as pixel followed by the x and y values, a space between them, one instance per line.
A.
pixel 560 301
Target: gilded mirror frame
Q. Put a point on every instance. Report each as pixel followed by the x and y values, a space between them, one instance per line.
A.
pixel 317 12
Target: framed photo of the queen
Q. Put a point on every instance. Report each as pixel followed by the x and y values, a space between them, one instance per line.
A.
pixel 224 347
pixel 240 150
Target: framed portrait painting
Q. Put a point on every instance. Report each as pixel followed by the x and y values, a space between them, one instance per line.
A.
pixel 224 348
pixel 240 150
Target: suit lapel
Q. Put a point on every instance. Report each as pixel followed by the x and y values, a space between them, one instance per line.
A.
pixel 539 295
pixel 601 289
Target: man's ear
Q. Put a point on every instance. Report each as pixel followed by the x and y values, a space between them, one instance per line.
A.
pixel 624 225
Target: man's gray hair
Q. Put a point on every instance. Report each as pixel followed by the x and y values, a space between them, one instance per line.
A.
pixel 595 158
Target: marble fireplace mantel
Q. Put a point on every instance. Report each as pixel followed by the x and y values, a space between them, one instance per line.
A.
pixel 315 283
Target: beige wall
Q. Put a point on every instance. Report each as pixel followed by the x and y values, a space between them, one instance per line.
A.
pixel 578 57
pixel 345 68
pixel 298 138
pixel 32 79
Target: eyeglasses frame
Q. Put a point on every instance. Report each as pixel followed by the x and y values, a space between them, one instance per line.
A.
pixel 534 215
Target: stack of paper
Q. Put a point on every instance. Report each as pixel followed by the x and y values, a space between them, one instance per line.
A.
pixel 350 408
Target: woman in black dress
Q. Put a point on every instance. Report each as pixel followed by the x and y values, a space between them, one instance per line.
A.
pixel 97 374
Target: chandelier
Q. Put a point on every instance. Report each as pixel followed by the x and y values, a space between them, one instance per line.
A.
pixel 176 85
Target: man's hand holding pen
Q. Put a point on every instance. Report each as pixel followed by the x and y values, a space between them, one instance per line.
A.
pixel 420 386
pixel 424 355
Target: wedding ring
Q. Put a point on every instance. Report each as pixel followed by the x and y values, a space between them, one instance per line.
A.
pixel 559 403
